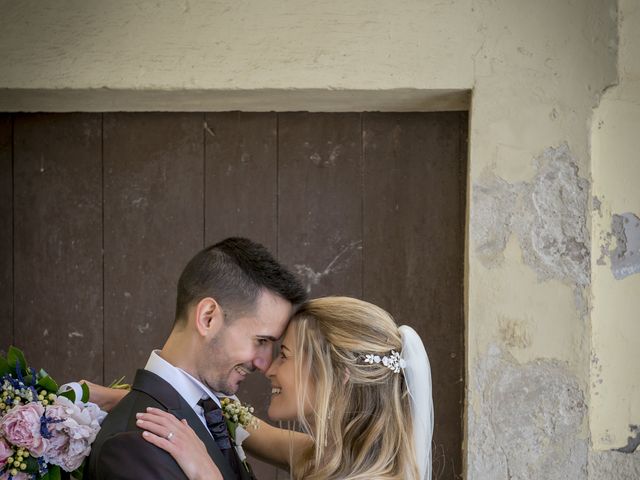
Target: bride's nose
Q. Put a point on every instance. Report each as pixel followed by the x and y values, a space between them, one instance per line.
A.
pixel 271 372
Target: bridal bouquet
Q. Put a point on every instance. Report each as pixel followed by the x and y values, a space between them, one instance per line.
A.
pixel 44 429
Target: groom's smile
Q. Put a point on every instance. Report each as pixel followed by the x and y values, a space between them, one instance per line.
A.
pixel 244 371
pixel 244 343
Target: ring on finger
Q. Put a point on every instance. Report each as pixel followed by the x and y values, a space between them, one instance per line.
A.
pixel 169 436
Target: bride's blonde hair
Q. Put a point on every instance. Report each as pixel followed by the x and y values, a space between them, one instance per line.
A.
pixel 360 422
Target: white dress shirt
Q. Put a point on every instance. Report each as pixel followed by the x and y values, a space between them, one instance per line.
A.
pixel 189 388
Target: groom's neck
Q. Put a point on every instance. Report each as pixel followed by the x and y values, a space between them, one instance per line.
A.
pixel 180 352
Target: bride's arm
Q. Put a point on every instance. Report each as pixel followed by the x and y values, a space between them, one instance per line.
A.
pixel 272 444
pixel 106 398
pixel 268 443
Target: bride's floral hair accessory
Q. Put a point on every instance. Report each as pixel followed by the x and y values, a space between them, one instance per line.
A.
pixel 393 361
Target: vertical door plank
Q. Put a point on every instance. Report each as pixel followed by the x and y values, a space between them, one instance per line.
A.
pixel 58 243
pixel 414 248
pixel 241 199
pixel 153 224
pixel 6 231
pixel 320 200
pixel 240 177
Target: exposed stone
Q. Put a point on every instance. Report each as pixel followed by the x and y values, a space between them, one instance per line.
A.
pixel 492 208
pixel 514 333
pixel 625 258
pixel 612 465
pixel 597 205
pixel 633 440
pixel 549 216
pixel 528 422
pixel 552 228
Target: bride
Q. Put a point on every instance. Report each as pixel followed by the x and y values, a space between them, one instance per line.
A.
pixel 359 386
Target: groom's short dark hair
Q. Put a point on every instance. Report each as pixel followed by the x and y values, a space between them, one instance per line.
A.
pixel 233 272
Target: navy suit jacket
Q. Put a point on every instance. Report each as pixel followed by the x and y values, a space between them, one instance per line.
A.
pixel 120 452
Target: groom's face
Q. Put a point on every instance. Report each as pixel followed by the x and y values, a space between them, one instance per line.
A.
pixel 245 343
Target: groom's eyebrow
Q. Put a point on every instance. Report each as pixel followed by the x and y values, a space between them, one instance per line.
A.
pixel 267 337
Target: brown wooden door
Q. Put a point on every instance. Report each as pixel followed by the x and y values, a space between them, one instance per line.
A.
pixel 100 212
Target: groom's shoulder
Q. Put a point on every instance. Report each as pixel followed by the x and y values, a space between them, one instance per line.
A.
pixel 123 416
pixel 127 456
pixel 119 438
pixel 148 390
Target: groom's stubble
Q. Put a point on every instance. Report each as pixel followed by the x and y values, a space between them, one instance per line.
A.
pixel 242 344
pixel 218 366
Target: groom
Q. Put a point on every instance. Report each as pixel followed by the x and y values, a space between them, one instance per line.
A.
pixel 234 301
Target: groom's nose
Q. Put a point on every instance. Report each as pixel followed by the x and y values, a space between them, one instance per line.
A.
pixel 262 362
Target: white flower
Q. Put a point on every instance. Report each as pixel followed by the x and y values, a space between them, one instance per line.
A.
pixel 393 362
pixel 235 412
pixel 73 429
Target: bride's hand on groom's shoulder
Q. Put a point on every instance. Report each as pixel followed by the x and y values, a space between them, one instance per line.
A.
pixel 106 398
pixel 176 437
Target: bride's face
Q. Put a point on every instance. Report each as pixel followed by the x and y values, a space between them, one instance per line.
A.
pixel 284 390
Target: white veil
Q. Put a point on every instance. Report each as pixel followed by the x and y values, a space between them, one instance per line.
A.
pixel 417 374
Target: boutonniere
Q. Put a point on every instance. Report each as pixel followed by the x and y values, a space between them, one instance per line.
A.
pixel 239 419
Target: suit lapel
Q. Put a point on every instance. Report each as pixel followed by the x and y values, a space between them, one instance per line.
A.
pixel 157 388
pixel 244 475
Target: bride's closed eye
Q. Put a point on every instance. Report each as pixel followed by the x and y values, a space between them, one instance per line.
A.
pixel 285 352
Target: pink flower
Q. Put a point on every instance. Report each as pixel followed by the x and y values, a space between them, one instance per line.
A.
pixel 72 435
pixel 5 452
pixel 21 427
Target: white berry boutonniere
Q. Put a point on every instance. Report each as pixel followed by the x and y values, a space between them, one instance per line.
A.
pixel 239 418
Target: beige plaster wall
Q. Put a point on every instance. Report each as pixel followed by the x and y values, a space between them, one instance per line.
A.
pixel 536 69
pixel 205 52
pixel 615 376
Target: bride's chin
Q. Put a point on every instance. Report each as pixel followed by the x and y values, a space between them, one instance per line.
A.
pixel 274 416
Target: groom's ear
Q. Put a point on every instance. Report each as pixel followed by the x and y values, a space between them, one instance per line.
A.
pixel 209 317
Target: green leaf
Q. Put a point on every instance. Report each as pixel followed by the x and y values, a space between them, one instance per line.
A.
pixel 231 426
pixel 15 355
pixel 78 473
pixel 47 382
pixel 32 464
pixel 70 394
pixel 54 472
pixel 85 392
pixel 117 382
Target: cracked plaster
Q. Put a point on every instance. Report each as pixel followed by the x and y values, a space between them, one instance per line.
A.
pixel 528 420
pixel 625 258
pixel 548 215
